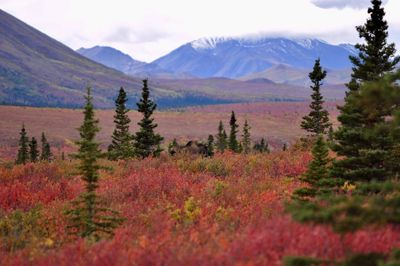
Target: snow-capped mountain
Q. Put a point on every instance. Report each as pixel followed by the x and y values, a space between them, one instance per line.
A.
pixel 237 57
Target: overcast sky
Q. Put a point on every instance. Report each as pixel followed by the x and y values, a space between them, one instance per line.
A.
pixel 148 29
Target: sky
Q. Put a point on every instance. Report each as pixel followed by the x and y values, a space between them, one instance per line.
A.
pixel 148 29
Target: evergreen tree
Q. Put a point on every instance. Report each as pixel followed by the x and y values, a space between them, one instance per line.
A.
pixel 233 144
pixel 317 172
pixel 88 218
pixel 121 146
pixel 317 121
pixel 246 140
pixel 210 146
pixel 172 146
pixel 330 133
pixel 360 149
pixel 284 148
pixel 222 138
pixel 23 151
pixel 147 142
pixel 46 154
pixel 63 156
pixel 261 146
pixel 33 150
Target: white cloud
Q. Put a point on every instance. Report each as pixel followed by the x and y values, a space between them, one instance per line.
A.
pixel 340 4
pixel 149 29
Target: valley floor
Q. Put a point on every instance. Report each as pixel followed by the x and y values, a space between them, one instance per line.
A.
pixel 278 122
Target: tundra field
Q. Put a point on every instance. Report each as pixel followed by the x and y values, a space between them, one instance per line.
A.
pixel 277 122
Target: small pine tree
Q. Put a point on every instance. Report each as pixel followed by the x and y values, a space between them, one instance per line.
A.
pixel 63 156
pixel 210 146
pixel 222 138
pixel 317 171
pixel 262 146
pixel 284 147
pixel 33 150
pixel 233 144
pixel 147 142
pixel 121 146
pixel 23 151
pixel 246 140
pixel 172 146
pixel 46 154
pixel 317 121
pixel 88 218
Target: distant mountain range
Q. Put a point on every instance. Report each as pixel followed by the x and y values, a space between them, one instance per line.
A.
pixel 36 70
pixel 241 58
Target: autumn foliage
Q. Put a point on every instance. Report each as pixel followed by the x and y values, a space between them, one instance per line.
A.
pixel 178 210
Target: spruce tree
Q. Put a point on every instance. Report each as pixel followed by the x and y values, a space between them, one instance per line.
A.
pixel 262 146
pixel 121 146
pixel 233 144
pixel 246 139
pixel 222 138
pixel 317 121
pixel 284 147
pixel 361 153
pixel 46 154
pixel 317 172
pixel 88 218
pixel 23 151
pixel 33 150
pixel 210 145
pixel 147 142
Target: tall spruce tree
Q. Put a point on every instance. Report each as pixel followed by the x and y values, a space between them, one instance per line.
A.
pixel 33 150
pixel 222 139
pixel 147 142
pixel 88 218
pixel 362 153
pixel 233 143
pixel 317 121
pixel 246 138
pixel 46 154
pixel 121 146
pixel 23 151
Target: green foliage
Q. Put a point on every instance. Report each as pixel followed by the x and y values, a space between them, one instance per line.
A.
pixel 317 171
pixel 222 138
pixel 23 152
pixel 46 154
pixel 121 146
pixel 33 150
pixel 147 142
pixel 88 218
pixel 301 261
pixel 233 144
pixel 361 145
pixel 246 139
pixel 317 121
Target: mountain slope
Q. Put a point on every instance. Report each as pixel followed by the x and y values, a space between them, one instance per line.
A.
pixel 38 70
pixel 237 57
pixel 111 57
pixel 282 74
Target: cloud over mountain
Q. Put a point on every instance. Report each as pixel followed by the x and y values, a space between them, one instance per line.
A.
pixel 340 4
